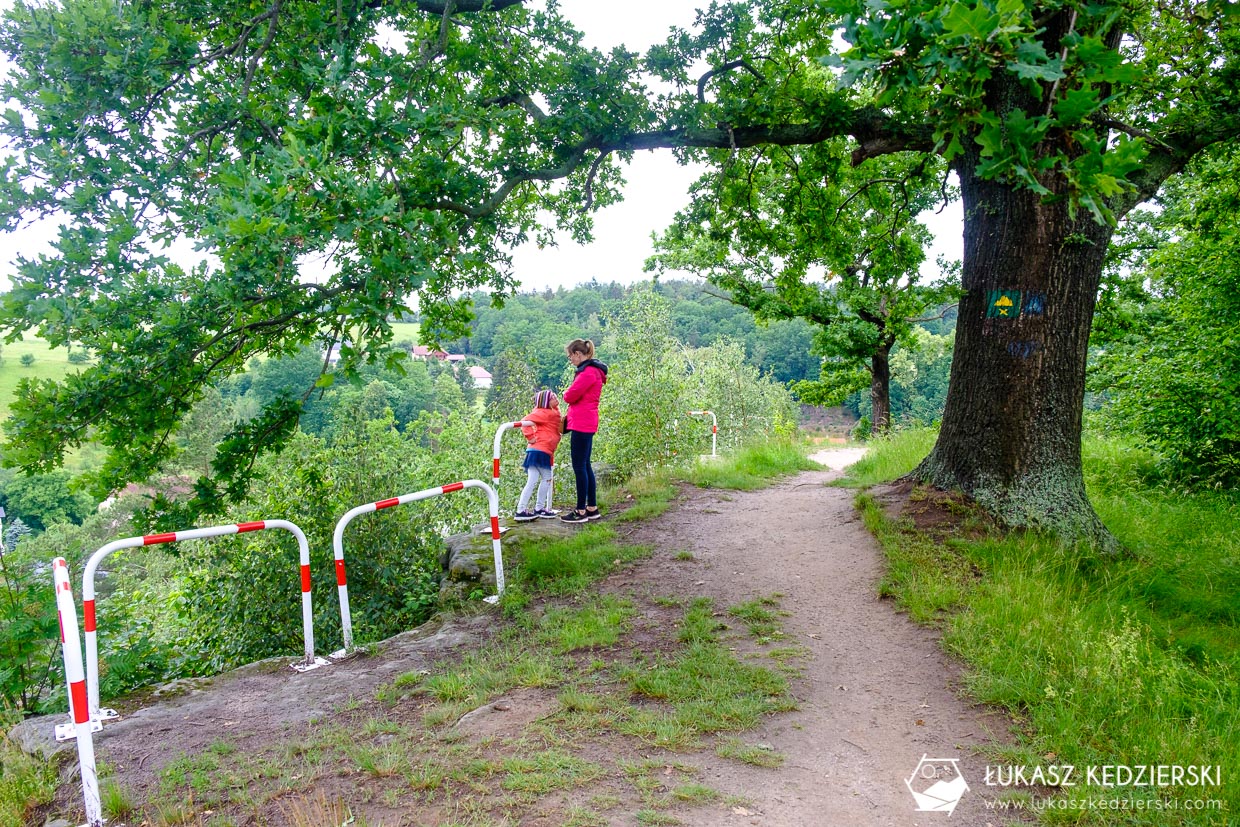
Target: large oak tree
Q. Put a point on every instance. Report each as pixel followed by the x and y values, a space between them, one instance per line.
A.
pixel 401 146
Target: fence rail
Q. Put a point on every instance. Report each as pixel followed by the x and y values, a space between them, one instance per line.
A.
pixel 342 583
pixel 309 661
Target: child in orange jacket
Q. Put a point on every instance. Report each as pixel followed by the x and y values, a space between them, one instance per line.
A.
pixel 543 438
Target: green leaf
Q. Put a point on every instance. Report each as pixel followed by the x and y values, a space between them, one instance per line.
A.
pixel 1076 105
pixel 969 21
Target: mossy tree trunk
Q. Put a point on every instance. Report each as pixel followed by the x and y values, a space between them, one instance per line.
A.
pixel 1011 430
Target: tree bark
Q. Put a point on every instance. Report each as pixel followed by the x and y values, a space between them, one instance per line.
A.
pixel 880 390
pixel 1011 431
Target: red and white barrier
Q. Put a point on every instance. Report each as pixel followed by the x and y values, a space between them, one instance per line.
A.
pixel 79 713
pixel 342 583
pixel 499 433
pixel 714 428
pixel 88 594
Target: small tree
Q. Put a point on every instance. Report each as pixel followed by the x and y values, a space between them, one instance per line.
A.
pixel 646 395
pixel 844 258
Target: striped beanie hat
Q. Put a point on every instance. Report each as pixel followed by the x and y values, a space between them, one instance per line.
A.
pixel 546 399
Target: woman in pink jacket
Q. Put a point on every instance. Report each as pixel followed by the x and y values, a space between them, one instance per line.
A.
pixel 582 397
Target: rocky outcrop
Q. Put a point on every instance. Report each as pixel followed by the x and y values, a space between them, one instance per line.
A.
pixel 468 563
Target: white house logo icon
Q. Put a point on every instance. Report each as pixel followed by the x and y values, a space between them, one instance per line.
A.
pixel 937 785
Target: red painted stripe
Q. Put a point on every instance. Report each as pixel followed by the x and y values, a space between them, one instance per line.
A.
pixel 495 528
pixel 77 691
pixel 516 424
pixel 88 615
pixel 387 503
pixel 453 486
pixel 714 429
pixel 242 528
pixel 340 579
pixel 305 578
pixel 155 539
pixel 64 586
pixel 495 472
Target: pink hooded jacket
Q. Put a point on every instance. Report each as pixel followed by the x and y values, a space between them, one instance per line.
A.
pixel 582 396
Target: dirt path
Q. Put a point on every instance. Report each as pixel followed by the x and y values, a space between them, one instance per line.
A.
pixel 877 692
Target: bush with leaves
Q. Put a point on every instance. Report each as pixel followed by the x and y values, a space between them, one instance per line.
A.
pixel 745 403
pixel 1168 354
pixel 130 654
pixel 28 632
pixel 655 381
pixel 240 597
pixel 42 500
pixel 647 392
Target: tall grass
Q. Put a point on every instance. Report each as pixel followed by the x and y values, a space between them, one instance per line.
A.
pixel 25 782
pixel 753 466
pixel 1127 660
pixel 891 457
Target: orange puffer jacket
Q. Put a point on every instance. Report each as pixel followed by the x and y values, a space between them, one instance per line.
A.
pixel 545 433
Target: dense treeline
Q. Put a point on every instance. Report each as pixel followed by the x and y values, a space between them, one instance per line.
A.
pixel 539 323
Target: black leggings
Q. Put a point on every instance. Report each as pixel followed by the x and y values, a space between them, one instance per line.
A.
pixel 580 446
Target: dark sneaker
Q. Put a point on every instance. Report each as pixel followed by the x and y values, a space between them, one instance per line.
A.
pixel 524 516
pixel 573 517
pixel 594 515
pixel 547 513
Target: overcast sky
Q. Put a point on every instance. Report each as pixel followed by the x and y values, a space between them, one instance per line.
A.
pixel 656 188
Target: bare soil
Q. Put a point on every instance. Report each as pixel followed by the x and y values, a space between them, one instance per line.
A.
pixel 876 693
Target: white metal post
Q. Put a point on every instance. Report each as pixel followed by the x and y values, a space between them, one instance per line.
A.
pixel 714 428
pixel 79 713
pixel 499 433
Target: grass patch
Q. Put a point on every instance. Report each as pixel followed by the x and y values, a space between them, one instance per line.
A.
pixel 568 566
pixel 600 623
pixel 549 770
pixel 25 783
pixel 757 754
pixel 480 676
pixel 116 801
pixel 890 457
pixel 708 688
pixel 753 466
pixel 316 811
pixel 651 493
pixel 761 617
pixel 1126 660
pixel 695 793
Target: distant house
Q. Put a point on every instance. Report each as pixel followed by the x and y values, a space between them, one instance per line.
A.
pixel 424 352
pixel 481 377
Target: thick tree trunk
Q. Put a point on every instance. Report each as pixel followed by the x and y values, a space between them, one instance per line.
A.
pixel 880 391
pixel 1011 431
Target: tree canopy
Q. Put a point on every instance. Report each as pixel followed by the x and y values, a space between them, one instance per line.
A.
pixel 335 160
pixel 845 258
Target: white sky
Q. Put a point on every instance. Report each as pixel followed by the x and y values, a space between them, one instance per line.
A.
pixel 657 186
